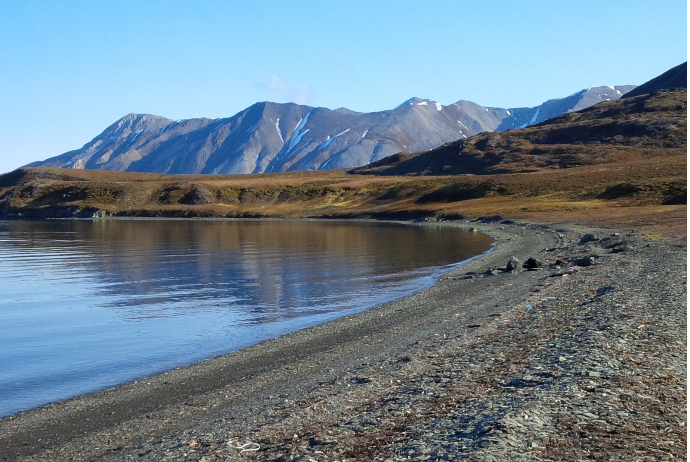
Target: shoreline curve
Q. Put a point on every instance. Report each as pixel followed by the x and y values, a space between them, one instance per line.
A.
pixel 349 365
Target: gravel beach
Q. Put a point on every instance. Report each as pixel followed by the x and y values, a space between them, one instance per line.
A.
pixel 581 356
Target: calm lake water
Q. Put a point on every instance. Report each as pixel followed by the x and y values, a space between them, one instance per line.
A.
pixel 87 305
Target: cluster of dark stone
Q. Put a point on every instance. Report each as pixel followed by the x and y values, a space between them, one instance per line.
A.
pixel 515 265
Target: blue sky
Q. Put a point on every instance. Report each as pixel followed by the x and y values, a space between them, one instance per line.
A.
pixel 69 69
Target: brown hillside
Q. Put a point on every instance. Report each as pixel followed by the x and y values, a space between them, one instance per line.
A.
pixel 619 131
pixel 673 78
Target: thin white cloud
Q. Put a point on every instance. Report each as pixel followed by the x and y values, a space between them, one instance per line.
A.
pixel 300 93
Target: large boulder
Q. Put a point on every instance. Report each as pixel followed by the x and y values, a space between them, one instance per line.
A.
pixel 514 265
pixel 588 238
pixel 533 263
pixel 586 261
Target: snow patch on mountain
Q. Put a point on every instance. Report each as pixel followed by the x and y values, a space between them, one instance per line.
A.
pixel 532 120
pixel 136 135
pixel 280 134
pixel 296 135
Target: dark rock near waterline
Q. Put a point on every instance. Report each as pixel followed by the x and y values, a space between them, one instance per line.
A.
pixel 491 219
pixel 588 238
pixel 514 265
pixel 586 261
pixel 197 197
pixel 617 247
pixel 533 263
pixel 100 214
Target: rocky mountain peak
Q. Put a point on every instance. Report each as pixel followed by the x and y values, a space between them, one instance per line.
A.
pixel 415 101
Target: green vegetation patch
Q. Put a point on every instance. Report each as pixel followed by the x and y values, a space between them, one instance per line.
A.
pixel 104 194
pixel 228 195
pixel 170 194
pixel 258 196
pixel 56 195
pixel 301 193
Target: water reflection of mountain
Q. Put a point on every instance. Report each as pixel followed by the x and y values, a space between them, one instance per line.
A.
pixel 262 271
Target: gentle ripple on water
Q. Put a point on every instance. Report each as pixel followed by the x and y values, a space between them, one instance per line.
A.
pixel 88 305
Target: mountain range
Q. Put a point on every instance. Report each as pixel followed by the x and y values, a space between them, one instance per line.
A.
pixel 270 137
pixel 613 155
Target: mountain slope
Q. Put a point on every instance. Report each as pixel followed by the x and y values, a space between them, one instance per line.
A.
pixel 270 137
pixel 523 117
pixel 612 131
pixel 676 77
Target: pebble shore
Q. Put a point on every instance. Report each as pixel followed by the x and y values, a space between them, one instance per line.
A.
pixel 581 355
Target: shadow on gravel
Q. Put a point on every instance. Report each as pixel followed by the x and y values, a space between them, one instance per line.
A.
pixel 474 430
pixel 603 290
pixel 540 380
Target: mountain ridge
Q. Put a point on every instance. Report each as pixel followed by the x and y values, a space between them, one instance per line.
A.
pixel 274 137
